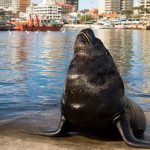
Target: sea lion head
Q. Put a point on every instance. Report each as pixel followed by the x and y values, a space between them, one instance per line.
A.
pixel 89 51
pixel 87 43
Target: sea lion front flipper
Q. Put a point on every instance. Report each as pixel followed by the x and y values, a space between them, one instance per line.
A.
pixel 123 125
pixel 63 129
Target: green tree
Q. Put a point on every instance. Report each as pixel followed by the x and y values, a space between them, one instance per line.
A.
pixel 137 8
pixel 127 13
pixel 85 18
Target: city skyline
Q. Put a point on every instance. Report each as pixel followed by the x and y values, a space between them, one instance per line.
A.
pixel 15 5
pixel 94 4
pixel 107 6
pixel 89 3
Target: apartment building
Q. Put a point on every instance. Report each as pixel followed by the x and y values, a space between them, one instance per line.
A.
pixel 15 5
pixel 54 1
pixel 47 12
pixel 23 4
pixel 73 2
pixel 60 1
pixel 114 6
pixel 146 5
pixel 102 6
pixel 9 5
pixel 127 5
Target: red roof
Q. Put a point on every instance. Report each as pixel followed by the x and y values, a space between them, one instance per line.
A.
pixel 109 15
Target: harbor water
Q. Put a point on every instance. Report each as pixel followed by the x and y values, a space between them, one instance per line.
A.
pixel 33 67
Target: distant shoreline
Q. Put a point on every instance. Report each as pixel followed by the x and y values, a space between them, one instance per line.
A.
pixel 96 26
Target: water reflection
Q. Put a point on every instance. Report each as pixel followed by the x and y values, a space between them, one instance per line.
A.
pixel 33 67
pixel 119 43
pixel 131 52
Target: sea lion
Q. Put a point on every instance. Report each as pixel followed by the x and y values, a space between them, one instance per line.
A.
pixel 93 102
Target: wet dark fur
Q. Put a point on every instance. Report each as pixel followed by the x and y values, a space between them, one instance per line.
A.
pixel 98 90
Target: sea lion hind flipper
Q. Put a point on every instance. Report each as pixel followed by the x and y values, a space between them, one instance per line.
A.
pixel 63 129
pixel 123 124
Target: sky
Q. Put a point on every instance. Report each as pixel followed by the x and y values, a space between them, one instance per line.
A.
pixel 83 4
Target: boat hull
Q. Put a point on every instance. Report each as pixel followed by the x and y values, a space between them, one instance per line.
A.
pixel 6 28
pixel 40 28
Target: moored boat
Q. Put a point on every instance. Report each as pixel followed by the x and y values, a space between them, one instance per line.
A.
pixel 38 25
pixel 39 28
pixel 147 27
pixel 6 27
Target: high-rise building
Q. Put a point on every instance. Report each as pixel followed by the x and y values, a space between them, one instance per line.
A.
pixel 109 6
pixel 60 1
pixel 73 2
pixel 53 1
pixel 23 4
pixel 114 6
pixel 102 6
pixel 146 5
pixel 48 1
pixel 126 4
pixel 9 5
pixel 15 5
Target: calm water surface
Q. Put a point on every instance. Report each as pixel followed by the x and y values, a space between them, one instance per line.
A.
pixel 33 67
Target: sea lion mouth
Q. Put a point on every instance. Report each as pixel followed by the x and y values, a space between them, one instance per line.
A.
pixel 87 42
pixel 87 35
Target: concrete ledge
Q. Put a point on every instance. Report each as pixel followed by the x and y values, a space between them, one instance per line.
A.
pixel 12 139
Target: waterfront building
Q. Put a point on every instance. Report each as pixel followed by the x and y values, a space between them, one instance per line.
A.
pixel 66 8
pixel 109 6
pixel 146 5
pixel 54 1
pixel 73 2
pixel 9 5
pixel 48 12
pixel 126 4
pixel 101 7
pixel 65 4
pixel 15 5
pixel 114 6
pixel 60 1
pixel 23 4
pixel 48 1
